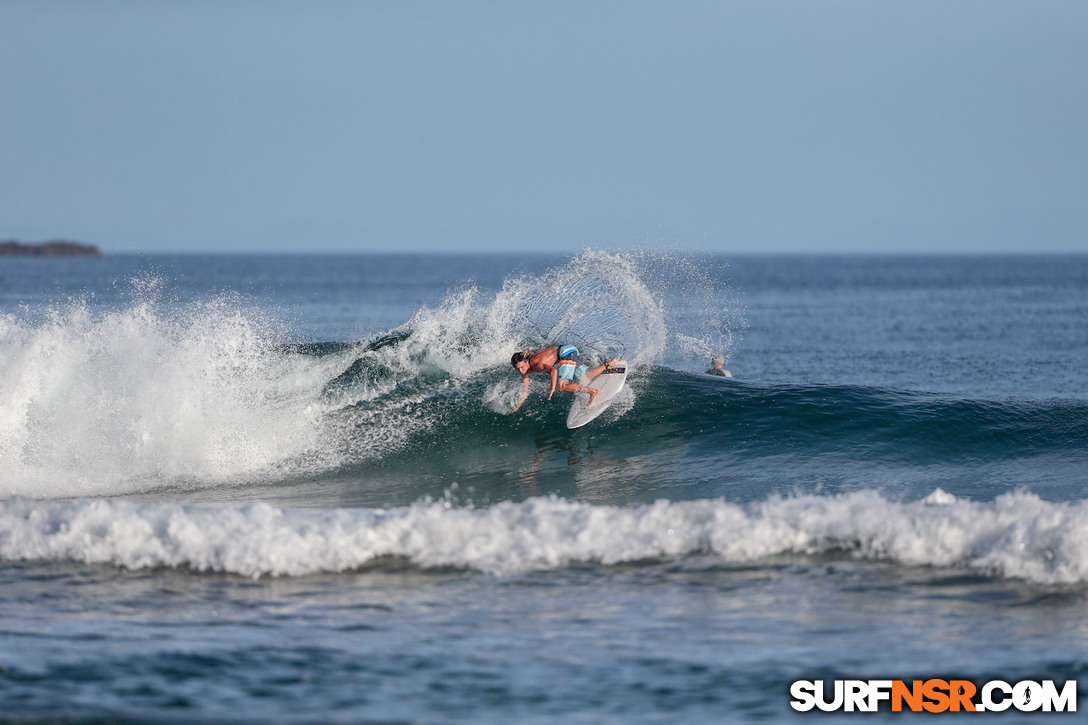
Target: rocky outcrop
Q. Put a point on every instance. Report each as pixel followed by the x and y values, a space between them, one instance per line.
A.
pixel 55 248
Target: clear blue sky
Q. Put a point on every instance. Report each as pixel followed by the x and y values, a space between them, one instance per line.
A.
pixel 895 126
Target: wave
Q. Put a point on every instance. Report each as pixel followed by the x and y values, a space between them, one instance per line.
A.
pixel 685 435
pixel 213 393
pixel 1016 536
pixel 879 423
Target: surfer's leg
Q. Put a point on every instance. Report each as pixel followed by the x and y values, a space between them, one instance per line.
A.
pixel 593 393
pixel 568 387
pixel 594 372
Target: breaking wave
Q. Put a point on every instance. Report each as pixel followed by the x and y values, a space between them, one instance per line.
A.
pixel 1015 536
pixel 213 393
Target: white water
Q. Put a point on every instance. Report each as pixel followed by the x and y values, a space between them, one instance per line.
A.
pixel 1017 535
pixel 120 401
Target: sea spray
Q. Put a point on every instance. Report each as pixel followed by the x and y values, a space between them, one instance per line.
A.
pixel 117 401
pixel 703 313
pixel 596 301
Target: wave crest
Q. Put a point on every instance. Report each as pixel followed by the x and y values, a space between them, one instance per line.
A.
pixel 1018 535
pixel 113 402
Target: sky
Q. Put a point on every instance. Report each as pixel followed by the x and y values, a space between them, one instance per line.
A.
pixel 901 126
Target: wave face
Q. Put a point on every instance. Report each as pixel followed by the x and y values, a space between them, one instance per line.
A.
pixel 1018 535
pixel 681 435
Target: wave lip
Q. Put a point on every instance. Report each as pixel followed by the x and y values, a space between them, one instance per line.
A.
pixel 1018 535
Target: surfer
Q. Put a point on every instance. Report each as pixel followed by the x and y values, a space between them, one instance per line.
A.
pixel 563 364
pixel 717 363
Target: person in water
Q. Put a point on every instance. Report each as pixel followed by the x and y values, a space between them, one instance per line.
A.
pixel 563 364
pixel 717 366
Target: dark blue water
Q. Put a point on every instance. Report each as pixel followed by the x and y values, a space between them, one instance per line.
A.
pixel 286 489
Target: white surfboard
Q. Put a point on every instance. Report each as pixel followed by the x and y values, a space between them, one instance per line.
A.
pixel 609 382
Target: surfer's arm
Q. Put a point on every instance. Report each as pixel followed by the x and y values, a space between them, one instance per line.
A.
pixel 524 392
pixel 555 379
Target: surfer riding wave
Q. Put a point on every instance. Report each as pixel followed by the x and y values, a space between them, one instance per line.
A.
pixel 564 364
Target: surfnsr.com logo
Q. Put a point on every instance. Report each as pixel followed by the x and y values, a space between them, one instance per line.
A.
pixel 933 696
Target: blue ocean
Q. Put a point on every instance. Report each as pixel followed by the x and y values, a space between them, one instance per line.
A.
pixel 289 489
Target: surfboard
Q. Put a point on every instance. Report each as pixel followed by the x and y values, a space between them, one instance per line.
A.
pixel 609 382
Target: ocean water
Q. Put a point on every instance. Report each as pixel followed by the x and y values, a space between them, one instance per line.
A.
pixel 286 489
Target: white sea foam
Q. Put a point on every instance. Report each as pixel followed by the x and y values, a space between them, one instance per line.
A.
pixel 1018 535
pixel 123 400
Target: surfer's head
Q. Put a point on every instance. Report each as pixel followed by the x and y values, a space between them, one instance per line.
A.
pixel 520 357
